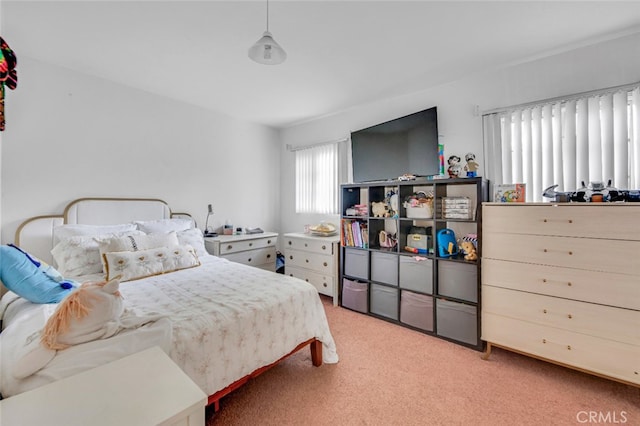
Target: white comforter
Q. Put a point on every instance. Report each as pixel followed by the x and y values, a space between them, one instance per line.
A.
pixel 221 321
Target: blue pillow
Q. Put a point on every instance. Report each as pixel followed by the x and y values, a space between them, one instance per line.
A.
pixel 33 280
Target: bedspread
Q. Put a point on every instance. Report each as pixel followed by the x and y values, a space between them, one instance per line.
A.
pixel 228 319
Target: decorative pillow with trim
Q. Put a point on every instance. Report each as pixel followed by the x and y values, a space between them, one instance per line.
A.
pixel 133 265
pixel 30 278
pixel 163 226
pixel 80 255
pixel 136 243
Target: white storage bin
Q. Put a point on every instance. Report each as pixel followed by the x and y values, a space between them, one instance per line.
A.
pixel 457 321
pixel 355 295
pixel 384 301
pixel 416 310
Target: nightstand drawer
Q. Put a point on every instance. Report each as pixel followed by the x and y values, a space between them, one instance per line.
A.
pixel 324 283
pixel 308 244
pixel 227 247
pixel 318 262
pixel 255 257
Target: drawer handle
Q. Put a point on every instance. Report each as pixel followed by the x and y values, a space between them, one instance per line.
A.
pixel 306 279
pixel 290 257
pixel 289 242
pixel 544 310
pixel 324 247
pixel 568 346
pixel 306 245
pixel 268 241
pixel 250 244
pixel 570 316
pixel 325 263
pixel 544 250
pixel 290 275
pixel 249 260
pixel 229 247
pixel 569 283
pixel 324 284
pixel 570 220
pixel 269 256
pixel 306 260
pixel 570 253
pixel 544 220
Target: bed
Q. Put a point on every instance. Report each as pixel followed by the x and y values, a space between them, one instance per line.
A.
pixel 221 322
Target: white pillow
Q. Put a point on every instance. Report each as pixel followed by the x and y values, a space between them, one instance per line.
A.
pixel 194 238
pixel 131 265
pixel 135 243
pixel 80 255
pixel 65 231
pixel 162 226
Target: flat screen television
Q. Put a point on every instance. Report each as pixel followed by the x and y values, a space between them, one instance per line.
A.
pixel 405 145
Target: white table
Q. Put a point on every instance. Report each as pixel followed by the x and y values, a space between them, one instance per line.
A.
pixel 146 388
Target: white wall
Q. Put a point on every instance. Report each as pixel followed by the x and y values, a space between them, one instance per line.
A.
pixel 597 66
pixel 69 135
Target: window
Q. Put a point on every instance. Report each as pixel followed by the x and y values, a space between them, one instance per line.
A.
pixel 586 138
pixel 319 171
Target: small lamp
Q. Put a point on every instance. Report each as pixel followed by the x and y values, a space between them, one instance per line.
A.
pixel 207 231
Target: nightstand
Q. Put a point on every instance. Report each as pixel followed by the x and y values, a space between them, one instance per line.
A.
pixel 313 259
pixel 257 250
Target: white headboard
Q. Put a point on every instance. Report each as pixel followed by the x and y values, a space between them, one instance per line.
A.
pixel 35 235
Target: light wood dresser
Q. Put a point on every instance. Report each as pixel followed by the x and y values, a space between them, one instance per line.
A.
pixel 257 250
pixel 561 282
pixel 313 259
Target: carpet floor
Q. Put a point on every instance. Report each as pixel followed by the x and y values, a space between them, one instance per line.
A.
pixel 391 375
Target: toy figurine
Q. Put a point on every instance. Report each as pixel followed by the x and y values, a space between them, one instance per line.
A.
pixel 472 166
pixel 454 166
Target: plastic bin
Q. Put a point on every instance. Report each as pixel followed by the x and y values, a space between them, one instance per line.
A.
pixel 416 310
pixel 355 295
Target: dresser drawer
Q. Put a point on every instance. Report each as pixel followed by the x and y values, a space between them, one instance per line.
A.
pixel 244 245
pixel 325 284
pixel 605 288
pixel 601 356
pixel 308 244
pixel 584 253
pixel 606 322
pixel 573 220
pixel 254 257
pixel 318 262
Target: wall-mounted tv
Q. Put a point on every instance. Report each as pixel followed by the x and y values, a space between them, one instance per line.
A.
pixel 406 145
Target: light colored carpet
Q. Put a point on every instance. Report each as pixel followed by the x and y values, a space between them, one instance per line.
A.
pixel 390 375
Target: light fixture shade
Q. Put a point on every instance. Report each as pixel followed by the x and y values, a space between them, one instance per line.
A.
pixel 267 51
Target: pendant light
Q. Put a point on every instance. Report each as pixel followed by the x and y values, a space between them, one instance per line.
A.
pixel 266 50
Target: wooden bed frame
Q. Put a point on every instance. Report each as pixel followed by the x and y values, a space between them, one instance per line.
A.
pixel 35 236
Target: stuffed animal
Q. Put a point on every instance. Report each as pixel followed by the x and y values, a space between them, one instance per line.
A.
pixel 92 311
pixel 380 209
pixel 469 249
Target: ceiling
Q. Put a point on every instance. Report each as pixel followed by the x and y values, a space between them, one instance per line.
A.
pixel 340 53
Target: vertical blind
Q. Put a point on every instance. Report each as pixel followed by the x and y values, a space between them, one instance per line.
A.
pixel 317 179
pixel 565 142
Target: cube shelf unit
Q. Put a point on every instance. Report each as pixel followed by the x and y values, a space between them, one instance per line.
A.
pixel 432 293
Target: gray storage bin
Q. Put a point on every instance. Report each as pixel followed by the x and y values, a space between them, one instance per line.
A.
pixel 458 280
pixel 384 301
pixel 356 263
pixel 457 321
pixel 384 268
pixel 416 310
pixel 416 275
pixel 355 295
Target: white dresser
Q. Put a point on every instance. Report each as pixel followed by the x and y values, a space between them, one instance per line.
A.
pixel 561 282
pixel 313 259
pixel 257 250
pixel 146 388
